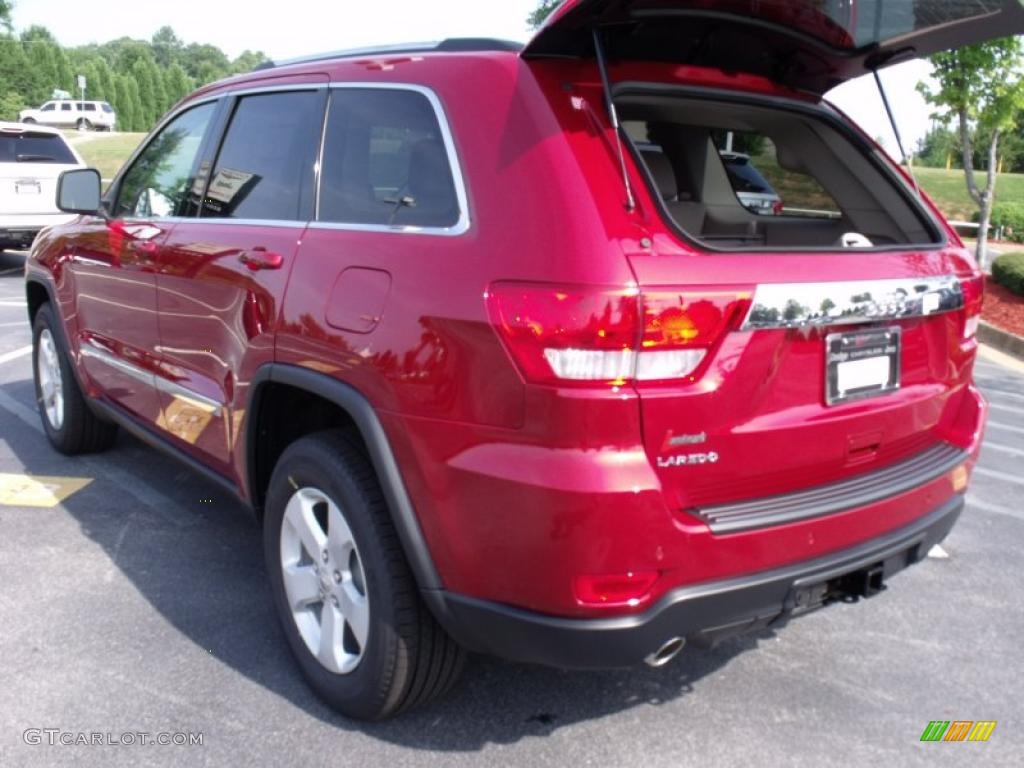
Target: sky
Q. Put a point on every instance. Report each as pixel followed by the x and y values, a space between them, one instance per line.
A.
pixel 298 27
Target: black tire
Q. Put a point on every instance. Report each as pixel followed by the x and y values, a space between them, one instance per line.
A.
pixel 29 121
pixel 78 430
pixel 83 124
pixel 408 659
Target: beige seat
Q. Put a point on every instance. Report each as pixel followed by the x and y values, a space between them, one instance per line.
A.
pixel 688 213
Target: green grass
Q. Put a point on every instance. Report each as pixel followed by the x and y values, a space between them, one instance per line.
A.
pixel 949 190
pixel 106 153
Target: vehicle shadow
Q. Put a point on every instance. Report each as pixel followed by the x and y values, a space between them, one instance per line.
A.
pixel 194 553
pixel 12 264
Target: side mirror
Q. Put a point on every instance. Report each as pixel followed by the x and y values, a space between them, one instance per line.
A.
pixel 79 191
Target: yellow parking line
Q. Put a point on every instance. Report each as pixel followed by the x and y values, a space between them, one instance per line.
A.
pixel 38 491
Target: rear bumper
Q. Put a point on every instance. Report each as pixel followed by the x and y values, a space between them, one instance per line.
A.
pixel 696 612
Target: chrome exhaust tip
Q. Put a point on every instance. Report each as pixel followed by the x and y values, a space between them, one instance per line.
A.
pixel 665 653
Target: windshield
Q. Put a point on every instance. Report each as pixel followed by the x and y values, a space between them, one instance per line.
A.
pixel 35 148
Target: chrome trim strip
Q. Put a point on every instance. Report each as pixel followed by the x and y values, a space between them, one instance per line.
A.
pixel 96 352
pixel 179 392
pixel 248 222
pixel 804 305
pixel 93 350
pixel 823 500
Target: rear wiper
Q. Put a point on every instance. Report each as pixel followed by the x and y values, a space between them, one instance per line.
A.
pixel 36 159
pixel 405 201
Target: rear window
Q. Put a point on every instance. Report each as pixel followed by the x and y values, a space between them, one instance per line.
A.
pixel 35 148
pixel 386 162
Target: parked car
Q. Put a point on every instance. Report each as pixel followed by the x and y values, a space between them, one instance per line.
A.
pixel 491 383
pixel 83 115
pixel 31 160
pixel 754 191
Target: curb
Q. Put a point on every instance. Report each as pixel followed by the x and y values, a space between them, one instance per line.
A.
pixel 1004 341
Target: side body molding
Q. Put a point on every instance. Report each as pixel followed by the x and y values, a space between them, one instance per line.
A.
pixel 358 407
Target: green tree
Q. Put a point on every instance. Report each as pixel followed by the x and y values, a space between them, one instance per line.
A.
pixel 11 103
pixel 123 105
pixel 167 47
pixel 143 75
pixel 981 87
pixel 248 61
pixel 5 16
pixel 938 147
pixel 177 83
pixel 544 9
pixel 141 121
pixel 205 63
pixel 44 66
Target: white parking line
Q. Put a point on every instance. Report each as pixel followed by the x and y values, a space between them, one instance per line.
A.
pixel 997 475
pixel 14 355
pixel 1005 427
pixel 131 484
pixel 13 303
pixel 1003 448
pixel 11 325
pixel 989 392
pixel 1001 407
pixel 999 509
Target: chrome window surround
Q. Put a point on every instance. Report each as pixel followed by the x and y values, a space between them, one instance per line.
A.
pixel 804 305
pixel 462 225
pixel 459 228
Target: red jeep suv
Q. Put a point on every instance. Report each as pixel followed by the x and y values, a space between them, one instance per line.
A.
pixel 489 341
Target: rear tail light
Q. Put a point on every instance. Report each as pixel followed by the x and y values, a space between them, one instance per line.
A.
pixel 778 207
pixel 974 293
pixel 585 336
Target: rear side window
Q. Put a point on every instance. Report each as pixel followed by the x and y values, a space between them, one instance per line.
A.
pixel 159 180
pixel 265 167
pixel 89 107
pixel 35 148
pixel 386 162
pixel 65 107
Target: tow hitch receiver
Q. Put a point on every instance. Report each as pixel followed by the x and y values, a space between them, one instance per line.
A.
pixel 867 582
pixel 847 587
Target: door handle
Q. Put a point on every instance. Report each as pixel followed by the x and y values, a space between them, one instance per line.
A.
pixel 147 247
pixel 261 258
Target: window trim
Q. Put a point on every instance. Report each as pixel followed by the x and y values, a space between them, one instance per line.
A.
pixel 461 225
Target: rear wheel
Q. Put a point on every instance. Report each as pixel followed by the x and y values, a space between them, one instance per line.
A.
pixel 69 423
pixel 349 605
pixel 29 121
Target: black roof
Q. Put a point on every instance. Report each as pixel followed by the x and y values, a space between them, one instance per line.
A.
pixel 451 45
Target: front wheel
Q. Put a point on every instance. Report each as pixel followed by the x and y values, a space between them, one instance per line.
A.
pixel 83 124
pixel 29 121
pixel 69 423
pixel 347 601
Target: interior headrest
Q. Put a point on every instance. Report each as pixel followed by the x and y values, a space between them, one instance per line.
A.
pixel 664 175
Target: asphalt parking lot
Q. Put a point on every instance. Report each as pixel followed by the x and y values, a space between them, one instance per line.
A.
pixel 139 604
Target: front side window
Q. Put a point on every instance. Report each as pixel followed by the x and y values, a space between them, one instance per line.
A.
pixel 264 170
pixel 48 107
pixel 89 107
pixel 106 107
pixel 158 183
pixel 385 162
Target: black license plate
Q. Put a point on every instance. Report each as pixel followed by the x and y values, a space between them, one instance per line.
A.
pixel 861 364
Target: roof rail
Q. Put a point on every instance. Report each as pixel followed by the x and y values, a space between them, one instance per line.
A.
pixel 451 45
